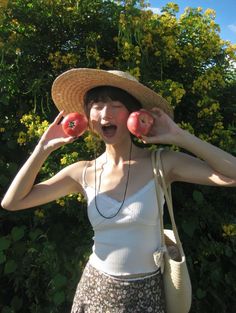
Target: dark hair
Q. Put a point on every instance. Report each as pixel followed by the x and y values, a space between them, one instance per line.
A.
pixel 106 93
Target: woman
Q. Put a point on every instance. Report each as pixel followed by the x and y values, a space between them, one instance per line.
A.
pixel 121 275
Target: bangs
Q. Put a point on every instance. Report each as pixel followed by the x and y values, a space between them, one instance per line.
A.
pixel 104 94
pixel 109 93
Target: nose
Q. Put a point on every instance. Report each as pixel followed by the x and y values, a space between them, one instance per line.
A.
pixel 106 112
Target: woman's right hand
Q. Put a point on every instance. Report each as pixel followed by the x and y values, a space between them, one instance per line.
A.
pixel 54 137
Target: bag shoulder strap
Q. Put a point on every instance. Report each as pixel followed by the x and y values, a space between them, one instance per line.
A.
pixel 158 193
pixel 160 179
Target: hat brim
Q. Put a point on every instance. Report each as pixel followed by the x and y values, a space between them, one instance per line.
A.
pixel 69 88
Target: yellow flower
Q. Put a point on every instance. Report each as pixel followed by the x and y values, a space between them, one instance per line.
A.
pixel 109 63
pixel 80 197
pixel 135 72
pixel 74 154
pixel 63 160
pixel 18 51
pixel 35 128
pixel 69 9
pixel 39 213
pixel 21 138
pixel 61 202
pixel 126 45
pixel 210 12
pixel 229 230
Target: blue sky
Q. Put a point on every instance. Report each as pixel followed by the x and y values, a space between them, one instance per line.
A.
pixel 225 13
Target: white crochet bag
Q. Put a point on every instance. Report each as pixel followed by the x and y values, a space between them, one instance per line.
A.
pixel 177 284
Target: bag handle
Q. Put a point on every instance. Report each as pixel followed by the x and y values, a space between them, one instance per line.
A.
pixel 159 173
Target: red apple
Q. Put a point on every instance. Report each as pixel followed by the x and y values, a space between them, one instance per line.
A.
pixel 74 124
pixel 139 123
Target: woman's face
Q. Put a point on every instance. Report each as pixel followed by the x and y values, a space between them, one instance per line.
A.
pixel 109 120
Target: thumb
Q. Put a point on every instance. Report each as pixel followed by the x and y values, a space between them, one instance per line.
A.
pixel 69 139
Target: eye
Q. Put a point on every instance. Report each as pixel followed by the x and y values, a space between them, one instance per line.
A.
pixel 97 106
pixel 117 105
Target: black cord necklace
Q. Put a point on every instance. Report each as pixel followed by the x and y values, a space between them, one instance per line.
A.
pixel 97 191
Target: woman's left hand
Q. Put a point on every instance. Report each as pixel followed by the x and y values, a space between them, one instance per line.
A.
pixel 164 129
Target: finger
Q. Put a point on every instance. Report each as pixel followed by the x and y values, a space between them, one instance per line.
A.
pixel 157 112
pixel 70 139
pixel 149 140
pixel 59 117
pixel 156 109
pixel 149 111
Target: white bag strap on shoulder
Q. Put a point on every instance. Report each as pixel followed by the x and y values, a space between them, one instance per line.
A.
pixel 159 202
pixel 160 179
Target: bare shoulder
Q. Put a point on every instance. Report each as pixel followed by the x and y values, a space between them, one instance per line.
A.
pixel 68 180
pixel 167 159
pixel 75 170
pixel 170 157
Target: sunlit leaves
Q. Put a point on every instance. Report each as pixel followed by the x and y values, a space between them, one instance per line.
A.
pixel 34 127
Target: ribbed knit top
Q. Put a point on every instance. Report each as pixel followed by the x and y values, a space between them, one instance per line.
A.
pixel 124 244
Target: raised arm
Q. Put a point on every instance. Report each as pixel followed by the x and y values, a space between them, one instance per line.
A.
pixel 212 166
pixel 22 192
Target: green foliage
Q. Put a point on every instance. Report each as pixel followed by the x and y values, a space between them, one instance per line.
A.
pixel 43 250
pixel 207 224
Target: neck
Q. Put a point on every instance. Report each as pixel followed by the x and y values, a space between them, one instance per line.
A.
pixel 119 154
pixel 123 153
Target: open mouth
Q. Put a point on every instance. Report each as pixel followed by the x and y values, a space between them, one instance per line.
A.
pixel 109 130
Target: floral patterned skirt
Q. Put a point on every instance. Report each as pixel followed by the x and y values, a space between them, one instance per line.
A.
pixel 100 293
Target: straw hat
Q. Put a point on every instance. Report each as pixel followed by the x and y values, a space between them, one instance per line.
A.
pixel 69 88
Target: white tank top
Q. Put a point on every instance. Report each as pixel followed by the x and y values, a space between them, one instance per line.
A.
pixel 124 244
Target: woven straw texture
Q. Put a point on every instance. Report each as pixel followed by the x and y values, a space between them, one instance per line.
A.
pixel 69 88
